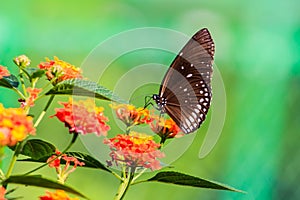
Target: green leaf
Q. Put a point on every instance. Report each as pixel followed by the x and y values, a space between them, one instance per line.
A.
pixel 82 157
pixel 88 160
pixel 187 180
pixel 82 87
pixel 34 72
pixel 9 81
pixel 37 149
pixel 39 181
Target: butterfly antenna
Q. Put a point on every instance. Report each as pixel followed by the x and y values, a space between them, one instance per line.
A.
pixel 148 101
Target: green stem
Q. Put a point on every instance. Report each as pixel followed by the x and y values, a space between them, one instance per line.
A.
pixel 14 158
pixel 18 92
pixel 44 111
pixel 124 186
pixel 75 135
pixel 22 82
pixel 136 177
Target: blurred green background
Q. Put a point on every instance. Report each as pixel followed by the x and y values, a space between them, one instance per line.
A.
pixel 257 53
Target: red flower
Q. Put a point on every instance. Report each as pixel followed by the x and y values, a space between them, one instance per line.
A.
pixel 33 94
pixel 57 195
pixel 60 70
pixel 83 117
pixel 2 193
pixel 15 125
pixel 3 71
pixel 135 150
pixel 63 173
pixel 131 115
pixel 165 128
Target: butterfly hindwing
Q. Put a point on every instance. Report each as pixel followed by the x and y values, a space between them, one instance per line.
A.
pixel 186 87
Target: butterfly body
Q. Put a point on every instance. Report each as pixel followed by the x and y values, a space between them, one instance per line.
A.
pixel 185 93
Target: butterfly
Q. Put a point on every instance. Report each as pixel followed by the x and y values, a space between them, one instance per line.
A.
pixel 185 92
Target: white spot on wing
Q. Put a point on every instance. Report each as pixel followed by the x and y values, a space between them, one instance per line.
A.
pixel 191 119
pixel 189 75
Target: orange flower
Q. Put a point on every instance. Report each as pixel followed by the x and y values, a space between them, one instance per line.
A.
pixel 57 195
pixel 15 125
pixel 63 173
pixel 3 71
pixel 22 61
pixel 165 128
pixel 83 117
pixel 134 150
pixel 131 115
pixel 33 94
pixel 2 193
pixel 60 70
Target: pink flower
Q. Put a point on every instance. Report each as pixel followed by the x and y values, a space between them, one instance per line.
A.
pixel 32 96
pixel 22 61
pixel 3 72
pixel 83 117
pixel 63 172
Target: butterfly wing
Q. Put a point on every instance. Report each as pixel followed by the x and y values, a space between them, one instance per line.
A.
pixel 187 83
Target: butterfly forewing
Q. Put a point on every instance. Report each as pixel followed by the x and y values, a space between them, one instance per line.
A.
pixel 186 86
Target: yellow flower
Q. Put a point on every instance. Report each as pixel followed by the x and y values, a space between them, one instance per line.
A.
pixel 131 115
pixel 22 61
pixel 15 125
pixel 60 70
pixel 57 195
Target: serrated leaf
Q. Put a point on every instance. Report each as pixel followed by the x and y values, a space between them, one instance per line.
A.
pixel 82 87
pixel 82 157
pixel 9 81
pixel 37 149
pixel 187 180
pixel 39 181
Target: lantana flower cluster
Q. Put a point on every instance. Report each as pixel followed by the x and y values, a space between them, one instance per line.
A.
pixel 83 117
pixel 57 195
pixel 15 125
pixel 63 172
pixel 135 150
pixel 3 72
pixel 60 70
pixel 138 149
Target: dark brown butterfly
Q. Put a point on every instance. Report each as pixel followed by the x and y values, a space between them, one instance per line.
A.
pixel 185 93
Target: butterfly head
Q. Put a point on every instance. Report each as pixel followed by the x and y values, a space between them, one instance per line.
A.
pixel 160 101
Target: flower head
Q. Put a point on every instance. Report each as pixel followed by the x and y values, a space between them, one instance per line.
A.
pixel 22 61
pixel 83 117
pixel 131 115
pixel 2 193
pixel 33 94
pixel 63 172
pixel 165 128
pixel 15 125
pixel 3 72
pixel 60 70
pixel 135 150
pixel 57 195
